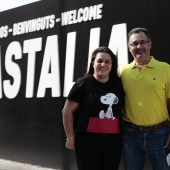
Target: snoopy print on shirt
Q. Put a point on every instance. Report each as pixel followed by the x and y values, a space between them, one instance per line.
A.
pixel 109 99
pixel 106 122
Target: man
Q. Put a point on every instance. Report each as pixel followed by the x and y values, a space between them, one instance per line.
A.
pixel 146 82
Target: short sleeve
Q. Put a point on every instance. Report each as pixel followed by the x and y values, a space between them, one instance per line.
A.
pixel 168 82
pixel 76 92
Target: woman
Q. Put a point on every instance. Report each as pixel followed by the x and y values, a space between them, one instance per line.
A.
pixel 97 140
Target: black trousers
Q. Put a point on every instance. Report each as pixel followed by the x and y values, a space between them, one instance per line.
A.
pixel 95 151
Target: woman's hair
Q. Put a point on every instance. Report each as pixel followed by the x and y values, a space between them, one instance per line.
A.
pixel 103 49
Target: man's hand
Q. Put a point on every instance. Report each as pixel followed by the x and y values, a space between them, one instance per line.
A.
pixel 168 143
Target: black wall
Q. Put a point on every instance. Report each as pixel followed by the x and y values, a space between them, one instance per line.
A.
pixel 31 129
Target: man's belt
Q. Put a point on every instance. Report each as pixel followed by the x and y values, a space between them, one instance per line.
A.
pixel 146 129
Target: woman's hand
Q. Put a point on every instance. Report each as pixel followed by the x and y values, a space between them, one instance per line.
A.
pixel 70 143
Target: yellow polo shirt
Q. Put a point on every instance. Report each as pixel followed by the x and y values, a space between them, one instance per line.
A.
pixel 146 92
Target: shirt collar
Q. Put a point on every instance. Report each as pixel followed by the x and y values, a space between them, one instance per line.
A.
pixel 150 64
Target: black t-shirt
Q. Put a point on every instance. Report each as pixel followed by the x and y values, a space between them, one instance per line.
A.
pixel 101 107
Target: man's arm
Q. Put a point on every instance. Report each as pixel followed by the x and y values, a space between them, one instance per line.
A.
pixel 168 140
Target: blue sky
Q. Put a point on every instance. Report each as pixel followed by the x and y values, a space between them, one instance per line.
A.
pixel 9 4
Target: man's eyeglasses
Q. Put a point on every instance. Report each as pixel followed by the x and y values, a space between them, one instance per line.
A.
pixel 142 43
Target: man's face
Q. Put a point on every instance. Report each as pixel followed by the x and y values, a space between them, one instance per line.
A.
pixel 139 46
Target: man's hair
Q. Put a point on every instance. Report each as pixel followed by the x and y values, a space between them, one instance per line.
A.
pixel 138 30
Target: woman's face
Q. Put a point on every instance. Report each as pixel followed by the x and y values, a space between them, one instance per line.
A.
pixel 102 66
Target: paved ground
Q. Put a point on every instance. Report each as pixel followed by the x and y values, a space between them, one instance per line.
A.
pixel 11 165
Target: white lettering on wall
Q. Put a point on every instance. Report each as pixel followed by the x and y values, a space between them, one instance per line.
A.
pixel 11 88
pixel 50 72
pixel 117 43
pixel 50 79
pixel 34 25
pixel 70 60
pixel 82 15
pixel 0 76
pixel 31 47
pixel 75 16
pixel 4 31
pixel 93 43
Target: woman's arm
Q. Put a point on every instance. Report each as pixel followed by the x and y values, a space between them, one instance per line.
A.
pixel 67 112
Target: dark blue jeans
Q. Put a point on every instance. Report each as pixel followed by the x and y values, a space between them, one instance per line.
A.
pixel 98 151
pixel 136 144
